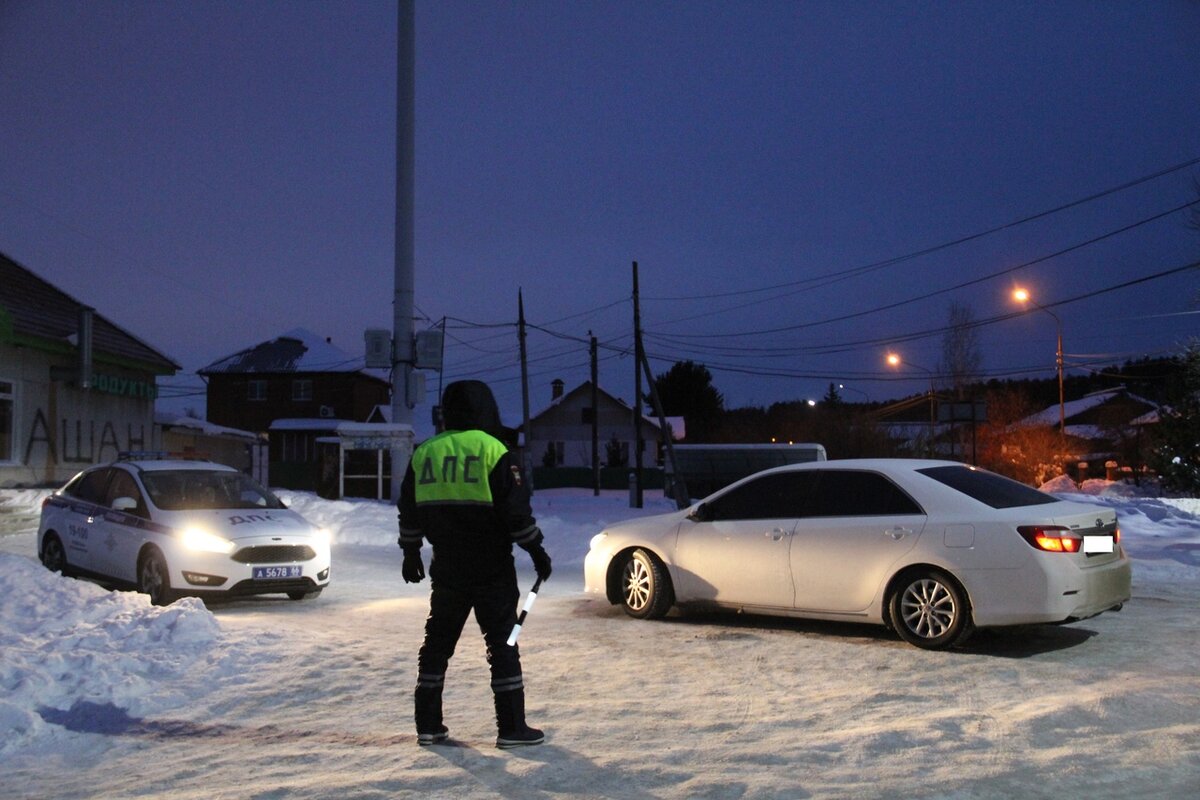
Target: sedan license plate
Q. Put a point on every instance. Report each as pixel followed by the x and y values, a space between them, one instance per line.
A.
pixel 276 573
pixel 1097 544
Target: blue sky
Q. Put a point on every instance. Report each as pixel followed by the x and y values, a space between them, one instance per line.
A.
pixel 212 174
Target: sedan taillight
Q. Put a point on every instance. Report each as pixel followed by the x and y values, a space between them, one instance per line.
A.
pixel 1051 538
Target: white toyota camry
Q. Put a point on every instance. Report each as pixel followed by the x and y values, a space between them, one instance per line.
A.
pixel 931 549
pixel 172 527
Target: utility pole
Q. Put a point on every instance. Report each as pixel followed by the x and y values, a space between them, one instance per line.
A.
pixel 678 485
pixel 593 352
pixel 638 357
pixel 402 305
pixel 526 455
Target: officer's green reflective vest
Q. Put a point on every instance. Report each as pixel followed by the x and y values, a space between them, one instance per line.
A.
pixel 453 467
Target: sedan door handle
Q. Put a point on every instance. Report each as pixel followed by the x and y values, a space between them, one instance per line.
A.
pixel 776 534
pixel 898 533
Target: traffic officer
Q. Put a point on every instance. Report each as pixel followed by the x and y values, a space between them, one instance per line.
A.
pixel 464 492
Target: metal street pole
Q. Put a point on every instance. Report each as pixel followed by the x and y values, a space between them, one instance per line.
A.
pixel 894 360
pixel 402 305
pixel 1023 296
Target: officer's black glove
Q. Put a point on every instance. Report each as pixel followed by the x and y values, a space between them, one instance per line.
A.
pixel 541 561
pixel 413 569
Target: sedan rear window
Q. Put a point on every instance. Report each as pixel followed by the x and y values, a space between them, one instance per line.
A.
pixel 988 487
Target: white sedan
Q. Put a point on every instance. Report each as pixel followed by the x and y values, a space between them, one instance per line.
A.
pixel 172 527
pixel 931 549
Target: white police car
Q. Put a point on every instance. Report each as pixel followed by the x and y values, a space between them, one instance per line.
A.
pixel 174 527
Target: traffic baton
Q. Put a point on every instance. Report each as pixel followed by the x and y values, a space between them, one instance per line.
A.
pixel 529 598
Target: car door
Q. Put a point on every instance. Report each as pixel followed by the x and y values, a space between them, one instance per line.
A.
pixel 124 526
pixel 859 524
pixel 80 528
pixel 736 550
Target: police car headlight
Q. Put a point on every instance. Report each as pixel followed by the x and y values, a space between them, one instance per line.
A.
pixel 202 540
pixel 322 536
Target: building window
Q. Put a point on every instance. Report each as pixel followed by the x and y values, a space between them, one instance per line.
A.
pixel 298 447
pixel 8 401
pixel 302 390
pixel 256 390
pixel 553 457
pixel 586 415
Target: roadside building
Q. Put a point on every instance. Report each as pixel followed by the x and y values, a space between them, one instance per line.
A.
pixel 75 389
pixel 559 439
pixel 296 389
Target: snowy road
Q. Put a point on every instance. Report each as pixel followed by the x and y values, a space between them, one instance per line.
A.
pixel 312 699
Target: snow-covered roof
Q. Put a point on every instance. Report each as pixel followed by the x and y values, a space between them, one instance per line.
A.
pixel 307 424
pixel 202 426
pixel 298 350
pixel 1050 415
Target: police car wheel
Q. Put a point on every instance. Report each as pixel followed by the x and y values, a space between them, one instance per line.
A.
pixel 154 580
pixel 54 557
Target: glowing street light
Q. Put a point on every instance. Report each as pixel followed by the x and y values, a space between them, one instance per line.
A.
pixel 1021 295
pixel 894 360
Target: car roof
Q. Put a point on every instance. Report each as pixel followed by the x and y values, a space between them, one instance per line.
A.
pixel 882 464
pixel 164 465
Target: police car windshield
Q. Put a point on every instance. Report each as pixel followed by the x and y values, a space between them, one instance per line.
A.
pixel 182 490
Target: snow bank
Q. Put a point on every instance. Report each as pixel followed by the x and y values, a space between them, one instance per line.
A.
pixel 66 641
pixel 23 501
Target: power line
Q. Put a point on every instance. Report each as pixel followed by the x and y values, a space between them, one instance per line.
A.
pixel 928 295
pixel 860 270
pixel 829 349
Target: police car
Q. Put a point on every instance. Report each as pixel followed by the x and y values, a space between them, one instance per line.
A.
pixel 172 527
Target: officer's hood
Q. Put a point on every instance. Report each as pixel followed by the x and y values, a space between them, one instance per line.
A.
pixel 469 405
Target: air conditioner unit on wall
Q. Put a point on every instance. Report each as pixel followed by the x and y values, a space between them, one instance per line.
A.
pixel 327 412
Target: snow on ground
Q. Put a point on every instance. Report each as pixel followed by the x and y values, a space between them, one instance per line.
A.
pixel 107 696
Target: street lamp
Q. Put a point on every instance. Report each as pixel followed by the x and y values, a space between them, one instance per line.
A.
pixel 894 360
pixel 1021 295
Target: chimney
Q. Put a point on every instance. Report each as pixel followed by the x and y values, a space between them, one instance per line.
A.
pixel 556 388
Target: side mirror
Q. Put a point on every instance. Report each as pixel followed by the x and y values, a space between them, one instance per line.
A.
pixel 124 504
pixel 701 513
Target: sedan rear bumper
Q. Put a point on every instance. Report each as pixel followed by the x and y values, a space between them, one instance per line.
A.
pixel 1058 590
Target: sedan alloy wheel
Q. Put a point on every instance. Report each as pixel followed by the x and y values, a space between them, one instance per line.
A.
pixel 929 610
pixel 645 592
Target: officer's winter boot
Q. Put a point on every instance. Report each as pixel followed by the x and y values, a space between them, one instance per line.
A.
pixel 430 729
pixel 510 721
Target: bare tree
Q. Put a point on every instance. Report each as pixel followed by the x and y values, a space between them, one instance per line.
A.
pixel 961 356
pixel 1029 453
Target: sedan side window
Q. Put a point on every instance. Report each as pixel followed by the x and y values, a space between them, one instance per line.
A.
pixel 123 485
pixel 90 487
pixel 849 493
pixel 781 495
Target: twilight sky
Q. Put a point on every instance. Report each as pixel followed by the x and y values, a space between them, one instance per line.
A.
pixel 795 180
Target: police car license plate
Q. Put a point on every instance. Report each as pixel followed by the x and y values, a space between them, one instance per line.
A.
pixel 276 573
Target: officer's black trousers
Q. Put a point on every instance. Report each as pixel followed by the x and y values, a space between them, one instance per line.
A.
pixel 495 607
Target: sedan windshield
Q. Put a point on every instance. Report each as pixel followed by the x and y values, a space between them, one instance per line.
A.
pixel 186 489
pixel 988 487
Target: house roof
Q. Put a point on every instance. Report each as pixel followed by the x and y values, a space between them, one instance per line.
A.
pixel 1079 408
pixel 676 423
pixel 168 421
pixel 34 312
pixel 298 350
